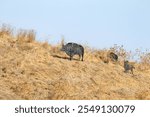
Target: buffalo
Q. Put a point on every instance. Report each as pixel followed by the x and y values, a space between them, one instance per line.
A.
pixel 72 49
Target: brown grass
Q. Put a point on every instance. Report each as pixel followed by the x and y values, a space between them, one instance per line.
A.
pixel 34 70
pixel 6 30
pixel 25 36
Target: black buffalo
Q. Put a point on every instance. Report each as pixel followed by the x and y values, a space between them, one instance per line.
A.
pixel 113 56
pixel 72 49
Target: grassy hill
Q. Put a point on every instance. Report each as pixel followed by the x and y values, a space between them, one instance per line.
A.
pixel 35 70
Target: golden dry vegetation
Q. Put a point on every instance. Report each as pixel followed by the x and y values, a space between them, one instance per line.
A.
pixel 39 71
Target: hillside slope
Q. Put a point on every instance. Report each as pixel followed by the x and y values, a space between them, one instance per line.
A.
pixel 34 70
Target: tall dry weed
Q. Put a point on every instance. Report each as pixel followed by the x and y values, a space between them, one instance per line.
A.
pixel 144 61
pixel 6 30
pixel 26 36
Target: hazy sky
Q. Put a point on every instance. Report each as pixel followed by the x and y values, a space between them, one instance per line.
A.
pixel 98 23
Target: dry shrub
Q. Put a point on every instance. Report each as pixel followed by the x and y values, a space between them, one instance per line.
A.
pixel 6 30
pixel 121 52
pixel 26 36
pixel 103 54
pixel 145 58
pixel 144 61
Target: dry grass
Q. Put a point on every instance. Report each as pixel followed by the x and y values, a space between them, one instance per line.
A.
pixel 25 36
pixel 6 30
pixel 34 70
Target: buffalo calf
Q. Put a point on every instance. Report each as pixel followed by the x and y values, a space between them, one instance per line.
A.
pixel 128 66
